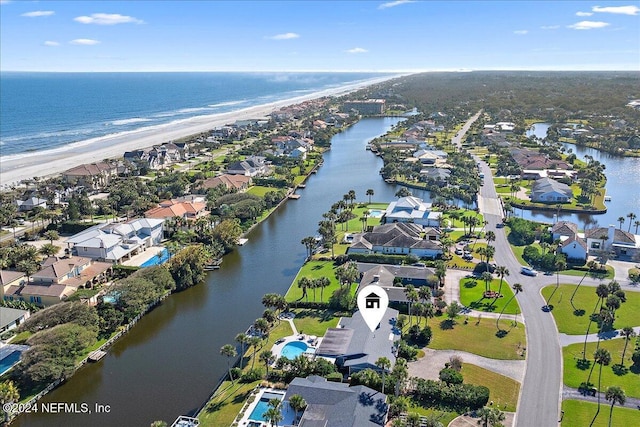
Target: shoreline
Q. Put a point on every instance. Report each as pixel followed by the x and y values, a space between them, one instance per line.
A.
pixel 18 167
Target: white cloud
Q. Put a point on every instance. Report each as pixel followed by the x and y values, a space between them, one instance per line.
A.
pixel 584 13
pixel 550 27
pixel 622 10
pixel 107 19
pixel 394 3
pixel 357 50
pixel 588 25
pixel 284 36
pixel 51 43
pixel 85 42
pixel 37 13
pixel 521 32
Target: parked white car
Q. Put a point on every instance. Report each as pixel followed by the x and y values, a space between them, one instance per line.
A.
pixel 528 271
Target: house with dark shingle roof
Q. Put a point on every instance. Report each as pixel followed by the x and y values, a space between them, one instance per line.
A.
pixel 332 404
pixel 548 190
pixel 624 244
pixel 355 348
pixel 251 166
pixel 563 229
pixel 399 239
pixel 574 247
pixel 94 175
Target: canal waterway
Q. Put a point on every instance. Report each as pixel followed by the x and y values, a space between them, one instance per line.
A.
pixel 168 364
pixel 623 186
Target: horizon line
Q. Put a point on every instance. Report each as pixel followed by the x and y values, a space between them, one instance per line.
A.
pixel 407 71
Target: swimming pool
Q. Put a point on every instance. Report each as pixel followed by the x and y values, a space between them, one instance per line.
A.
pixel 263 406
pixel 155 260
pixel 375 213
pixel 293 349
pixel 11 359
pixel 287 412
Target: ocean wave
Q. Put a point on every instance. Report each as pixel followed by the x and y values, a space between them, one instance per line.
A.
pixel 227 104
pixel 130 121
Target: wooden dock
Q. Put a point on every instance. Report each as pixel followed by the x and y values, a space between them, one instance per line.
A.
pixel 294 196
pixel 94 356
pixel 242 241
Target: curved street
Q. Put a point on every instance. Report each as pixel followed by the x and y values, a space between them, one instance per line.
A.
pixel 541 392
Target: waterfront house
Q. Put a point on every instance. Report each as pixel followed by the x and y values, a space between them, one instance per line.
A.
pixel 93 176
pixel 412 209
pixel 439 176
pixel 562 230
pixel 388 277
pixel 45 295
pixel 174 208
pixel 116 242
pixel 251 166
pixel 11 318
pixel 338 405
pixel 547 190
pixel 142 159
pixel 230 182
pixel 354 347
pixel 398 239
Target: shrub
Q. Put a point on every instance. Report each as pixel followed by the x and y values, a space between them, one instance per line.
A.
pixel 450 376
pixel 335 377
pixel 251 375
pixel 407 351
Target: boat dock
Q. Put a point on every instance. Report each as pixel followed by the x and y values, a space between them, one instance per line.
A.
pixel 94 356
pixel 242 241
pixel 294 196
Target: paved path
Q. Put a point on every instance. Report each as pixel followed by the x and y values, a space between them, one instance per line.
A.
pixel 572 393
pixel 469 421
pixel 429 366
pixel 566 340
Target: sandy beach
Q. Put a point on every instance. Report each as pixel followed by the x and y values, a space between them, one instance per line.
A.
pixel 16 168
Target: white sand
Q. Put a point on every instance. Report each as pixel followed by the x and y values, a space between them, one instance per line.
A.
pixel 16 168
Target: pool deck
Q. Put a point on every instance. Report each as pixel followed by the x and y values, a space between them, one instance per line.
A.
pixel 7 349
pixel 141 258
pixel 245 420
pixel 296 337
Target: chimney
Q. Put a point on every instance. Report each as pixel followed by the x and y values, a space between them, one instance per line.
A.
pixel 610 235
pixel 376 278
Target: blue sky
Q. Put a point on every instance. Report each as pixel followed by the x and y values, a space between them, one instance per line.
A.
pixel 322 35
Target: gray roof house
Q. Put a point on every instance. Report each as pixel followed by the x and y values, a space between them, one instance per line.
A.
pixel 338 405
pixel 30 203
pixel 384 275
pixel 251 166
pixel 550 190
pixel 355 347
pixel 12 317
pixel 397 238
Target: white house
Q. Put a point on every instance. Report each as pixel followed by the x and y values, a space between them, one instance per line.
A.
pixel 622 243
pixel 411 209
pixel 574 247
pixel 116 241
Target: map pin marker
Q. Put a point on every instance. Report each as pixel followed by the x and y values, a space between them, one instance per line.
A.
pixel 372 302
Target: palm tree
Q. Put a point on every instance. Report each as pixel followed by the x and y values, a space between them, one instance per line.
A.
pixel 487 277
pixel 601 357
pixel 297 403
pixel 384 364
pixel 267 357
pixel 274 414
pixel 370 193
pixel 229 352
pixel 242 339
pixel 517 287
pixel 51 235
pixel 424 292
pixel 631 217
pixel 614 394
pixel 501 271
pixel 304 283
pixel 602 291
pixel 322 282
pixel 621 221
pixel 628 333
pixel 9 393
pixel 636 224
pixel 412 296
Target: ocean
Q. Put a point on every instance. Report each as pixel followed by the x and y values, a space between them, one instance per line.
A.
pixel 42 111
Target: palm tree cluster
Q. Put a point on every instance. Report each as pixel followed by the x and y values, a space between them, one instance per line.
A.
pixel 306 283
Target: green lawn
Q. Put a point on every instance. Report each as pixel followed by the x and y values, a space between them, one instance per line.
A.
pixel 572 322
pixel 579 273
pixel 457 223
pixel 578 413
pixel 504 390
pixel 472 296
pixel 314 270
pixel 258 190
pixel 229 398
pixel 574 375
pixel 443 416
pixel 479 337
pixel 314 322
